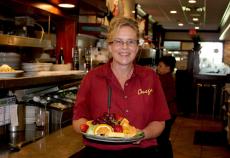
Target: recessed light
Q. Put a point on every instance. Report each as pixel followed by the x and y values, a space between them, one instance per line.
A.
pixel 192 1
pixel 200 9
pixel 195 19
pixel 187 9
pixel 180 24
pixel 173 11
pixel 66 5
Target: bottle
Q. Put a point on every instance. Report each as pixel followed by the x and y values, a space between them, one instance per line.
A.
pixel 61 56
pixel 87 59
pixel 76 59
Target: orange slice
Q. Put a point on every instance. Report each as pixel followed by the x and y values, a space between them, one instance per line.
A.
pixel 124 122
pixel 130 131
pixel 103 129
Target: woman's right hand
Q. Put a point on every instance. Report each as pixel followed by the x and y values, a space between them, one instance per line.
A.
pixel 77 124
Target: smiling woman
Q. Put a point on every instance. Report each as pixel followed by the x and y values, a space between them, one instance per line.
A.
pixel 132 88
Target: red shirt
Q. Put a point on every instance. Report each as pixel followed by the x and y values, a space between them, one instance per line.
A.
pixel 169 88
pixel 141 102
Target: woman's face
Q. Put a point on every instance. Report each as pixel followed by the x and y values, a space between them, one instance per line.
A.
pixel 124 46
pixel 162 68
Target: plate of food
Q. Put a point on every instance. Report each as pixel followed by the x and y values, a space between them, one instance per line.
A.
pixel 111 128
pixel 8 72
pixel 112 139
pixel 12 74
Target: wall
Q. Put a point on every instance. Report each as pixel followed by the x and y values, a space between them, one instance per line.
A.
pixel 227 52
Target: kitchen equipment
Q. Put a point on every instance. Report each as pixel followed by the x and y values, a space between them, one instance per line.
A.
pixel 41 117
pixel 5 115
pixel 17 115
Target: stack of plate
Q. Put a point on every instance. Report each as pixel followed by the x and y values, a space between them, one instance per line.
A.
pixel 10 58
pixel 33 69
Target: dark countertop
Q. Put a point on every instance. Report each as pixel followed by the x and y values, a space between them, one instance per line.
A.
pixel 214 78
pixel 28 82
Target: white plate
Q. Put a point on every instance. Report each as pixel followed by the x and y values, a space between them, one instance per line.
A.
pixel 114 139
pixel 10 74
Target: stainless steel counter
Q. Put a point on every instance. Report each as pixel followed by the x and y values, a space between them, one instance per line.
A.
pixel 60 144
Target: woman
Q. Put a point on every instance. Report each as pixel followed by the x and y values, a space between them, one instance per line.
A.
pixel 165 68
pixel 136 94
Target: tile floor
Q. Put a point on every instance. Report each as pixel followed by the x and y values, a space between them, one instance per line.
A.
pixel 182 137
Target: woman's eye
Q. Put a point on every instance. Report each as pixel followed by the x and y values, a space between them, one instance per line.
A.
pixel 119 42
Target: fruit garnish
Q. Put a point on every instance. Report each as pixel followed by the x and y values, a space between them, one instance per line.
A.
pixel 118 117
pixel 89 123
pixel 116 134
pixel 103 129
pixel 109 125
pixel 118 128
pixel 124 122
pixel 84 127
pixel 129 131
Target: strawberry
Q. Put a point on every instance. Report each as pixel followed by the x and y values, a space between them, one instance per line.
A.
pixel 118 128
pixel 84 127
pixel 118 117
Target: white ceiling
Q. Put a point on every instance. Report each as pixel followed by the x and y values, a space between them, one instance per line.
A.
pixel 210 19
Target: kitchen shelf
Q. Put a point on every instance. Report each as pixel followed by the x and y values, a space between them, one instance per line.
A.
pixel 28 82
pixel 21 41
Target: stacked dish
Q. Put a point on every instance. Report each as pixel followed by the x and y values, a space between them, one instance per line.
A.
pixel 33 69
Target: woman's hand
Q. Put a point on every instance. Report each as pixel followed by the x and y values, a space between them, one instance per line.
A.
pixel 77 123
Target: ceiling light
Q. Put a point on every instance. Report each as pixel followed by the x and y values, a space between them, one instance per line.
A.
pixel 192 1
pixel 138 6
pixel 197 27
pixel 180 24
pixel 200 9
pixel 66 5
pixel 195 19
pixel 187 9
pixel 173 11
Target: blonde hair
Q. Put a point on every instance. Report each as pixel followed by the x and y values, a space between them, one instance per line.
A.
pixel 118 22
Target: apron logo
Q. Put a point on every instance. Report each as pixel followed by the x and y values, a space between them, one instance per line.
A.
pixel 143 92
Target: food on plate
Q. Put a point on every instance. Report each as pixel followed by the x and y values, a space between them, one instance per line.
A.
pixel 6 68
pixel 109 125
pixel 84 127
pixel 103 129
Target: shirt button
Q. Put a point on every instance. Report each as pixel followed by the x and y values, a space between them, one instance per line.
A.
pixel 126 110
pixel 125 96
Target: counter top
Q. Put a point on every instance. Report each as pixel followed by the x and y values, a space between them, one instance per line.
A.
pixel 217 79
pixel 25 82
pixel 60 144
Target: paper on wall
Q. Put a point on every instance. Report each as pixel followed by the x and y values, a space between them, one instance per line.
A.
pixel 14 114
